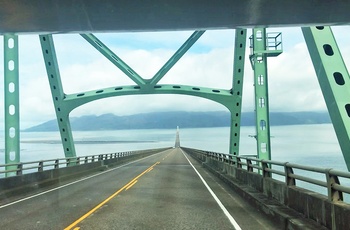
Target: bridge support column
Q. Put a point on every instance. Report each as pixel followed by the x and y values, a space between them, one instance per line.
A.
pixel 263 45
pixel 334 81
pixel 259 60
pixel 58 96
pixel 237 88
pixel 11 89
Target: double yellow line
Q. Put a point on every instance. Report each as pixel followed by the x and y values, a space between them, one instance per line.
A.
pixel 125 187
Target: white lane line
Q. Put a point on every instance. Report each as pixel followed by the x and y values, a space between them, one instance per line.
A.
pixel 228 215
pixel 75 182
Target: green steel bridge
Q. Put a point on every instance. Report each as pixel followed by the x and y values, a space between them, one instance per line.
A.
pixel 48 18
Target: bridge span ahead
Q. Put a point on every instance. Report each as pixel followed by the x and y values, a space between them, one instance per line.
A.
pixel 167 190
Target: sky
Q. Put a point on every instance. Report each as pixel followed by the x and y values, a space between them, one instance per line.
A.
pixel 293 85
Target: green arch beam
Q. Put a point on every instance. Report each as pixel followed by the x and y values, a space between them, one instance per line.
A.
pixel 65 103
pixel 221 96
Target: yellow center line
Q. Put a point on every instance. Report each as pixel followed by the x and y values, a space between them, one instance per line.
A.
pixel 131 183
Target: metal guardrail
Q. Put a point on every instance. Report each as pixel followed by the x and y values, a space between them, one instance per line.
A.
pixel 40 166
pixel 265 167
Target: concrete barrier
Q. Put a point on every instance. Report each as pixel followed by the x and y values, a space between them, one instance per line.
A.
pixel 294 207
pixel 17 185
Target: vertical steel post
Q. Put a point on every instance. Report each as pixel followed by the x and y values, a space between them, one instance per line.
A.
pixel 11 89
pixel 237 88
pixel 58 96
pixel 177 140
pixel 334 81
pixel 261 94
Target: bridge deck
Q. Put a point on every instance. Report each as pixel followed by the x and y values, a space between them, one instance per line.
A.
pixel 168 194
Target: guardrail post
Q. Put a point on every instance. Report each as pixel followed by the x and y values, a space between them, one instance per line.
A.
pixel 230 160
pixel 100 157
pixel 78 161
pixel 41 166
pixel 86 160
pixel 67 162
pixel 249 167
pixel 287 171
pixel 93 159
pixel 264 166
pixel 226 159
pixel 333 194
pixel 56 164
pixel 19 169
pixel 239 163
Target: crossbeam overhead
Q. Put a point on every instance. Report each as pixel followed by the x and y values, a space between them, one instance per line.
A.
pixel 221 96
pixel 84 16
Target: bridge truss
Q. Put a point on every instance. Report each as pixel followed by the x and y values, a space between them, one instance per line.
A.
pixel 330 68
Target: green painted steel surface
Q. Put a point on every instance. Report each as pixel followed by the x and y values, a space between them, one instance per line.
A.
pixel 11 94
pixel 259 61
pixel 334 80
pixel 65 103
pixel 221 96
pixel 58 96
pixel 72 101
pixel 145 84
pixel 177 56
pixel 263 45
pixel 237 90
pixel 112 57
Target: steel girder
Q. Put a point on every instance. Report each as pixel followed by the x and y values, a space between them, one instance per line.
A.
pixel 103 49
pixel 235 106
pixel 221 96
pixel 65 103
pixel 259 60
pixel 334 80
pixel 58 96
pixel 112 57
pixel 11 94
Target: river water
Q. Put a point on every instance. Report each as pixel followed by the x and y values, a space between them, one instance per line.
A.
pixel 314 145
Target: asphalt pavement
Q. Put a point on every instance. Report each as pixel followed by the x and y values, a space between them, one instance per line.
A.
pixel 168 190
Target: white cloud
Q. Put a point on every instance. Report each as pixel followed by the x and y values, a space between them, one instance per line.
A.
pixel 293 84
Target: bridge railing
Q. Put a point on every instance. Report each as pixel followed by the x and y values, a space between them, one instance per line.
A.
pixel 39 166
pixel 268 168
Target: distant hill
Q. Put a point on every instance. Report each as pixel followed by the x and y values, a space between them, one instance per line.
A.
pixel 169 120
